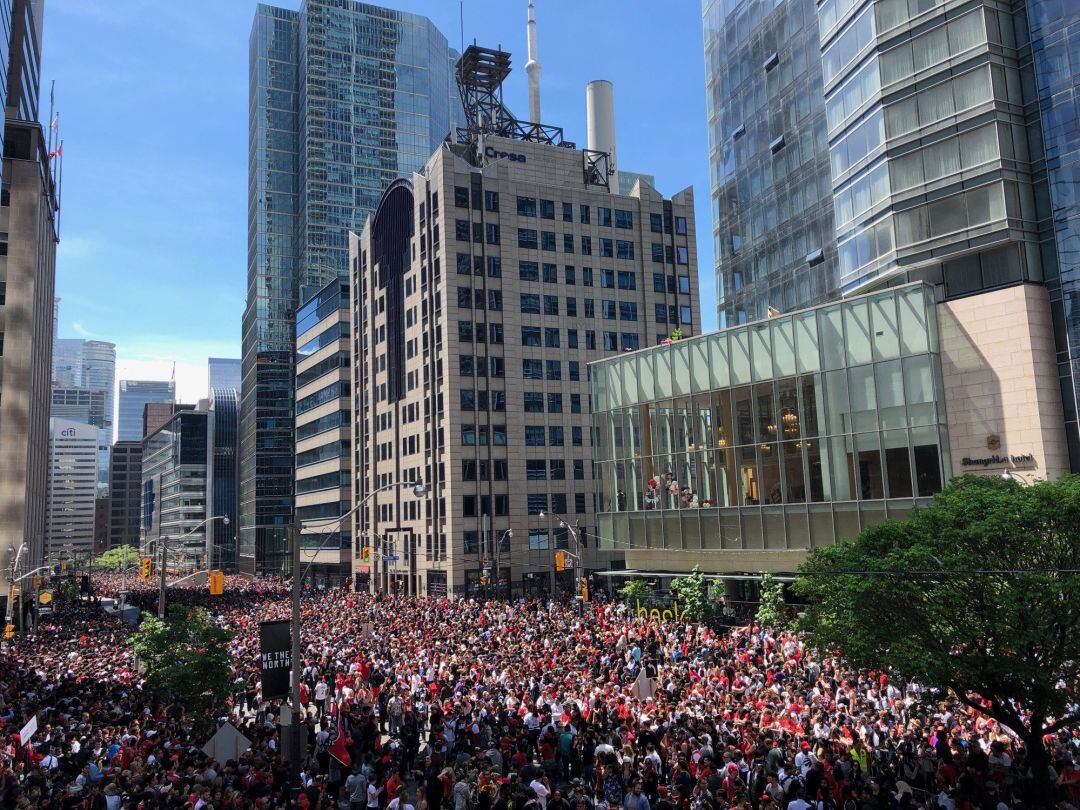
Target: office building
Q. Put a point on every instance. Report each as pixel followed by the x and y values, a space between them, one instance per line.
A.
pixel 134 396
pixel 189 474
pixel 323 414
pixel 89 406
pixel 482 286
pixel 223 372
pixel 156 414
pixel 87 364
pixel 125 494
pixel 67 362
pixel 344 98
pixel 741 450
pixel 72 489
pixel 28 205
pixel 222 488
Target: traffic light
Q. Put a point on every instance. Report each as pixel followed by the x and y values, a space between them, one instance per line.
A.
pixel 365 554
pixel 9 631
pixel 147 568
pixel 217 583
pixel 584 590
pixel 564 561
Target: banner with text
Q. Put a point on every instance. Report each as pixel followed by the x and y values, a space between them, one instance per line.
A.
pixel 275 658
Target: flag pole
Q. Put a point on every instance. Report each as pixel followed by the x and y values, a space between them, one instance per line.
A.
pixel 52 125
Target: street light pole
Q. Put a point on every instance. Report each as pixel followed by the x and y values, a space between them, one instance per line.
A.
pixel 509 533
pixel 298 576
pixel 577 554
pixel 161 541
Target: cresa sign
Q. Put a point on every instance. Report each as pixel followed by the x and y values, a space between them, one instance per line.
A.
pixel 665 615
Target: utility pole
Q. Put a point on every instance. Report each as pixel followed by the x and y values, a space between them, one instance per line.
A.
pixel 161 579
pixel 295 759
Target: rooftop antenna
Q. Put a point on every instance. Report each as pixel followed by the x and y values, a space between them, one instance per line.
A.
pixel 532 68
pixel 461 21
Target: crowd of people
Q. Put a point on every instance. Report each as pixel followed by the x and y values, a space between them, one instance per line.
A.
pixel 435 704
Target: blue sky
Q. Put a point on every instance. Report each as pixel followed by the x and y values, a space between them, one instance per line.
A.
pixel 153 111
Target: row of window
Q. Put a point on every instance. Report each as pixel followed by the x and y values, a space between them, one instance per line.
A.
pixel 533 402
pixel 541 469
pixel 551 337
pixel 548 272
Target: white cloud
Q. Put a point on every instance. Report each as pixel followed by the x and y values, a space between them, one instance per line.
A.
pixel 80 330
pixel 191 378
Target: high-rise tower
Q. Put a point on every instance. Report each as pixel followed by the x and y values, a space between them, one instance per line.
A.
pixel 344 98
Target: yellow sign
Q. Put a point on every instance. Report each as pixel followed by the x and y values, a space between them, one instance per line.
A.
pixel 563 561
pixel 217 583
pixel 45 597
pixel 9 631
pixel 147 567
pixel 660 615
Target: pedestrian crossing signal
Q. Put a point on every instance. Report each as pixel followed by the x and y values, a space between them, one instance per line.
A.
pixel 146 568
pixel 217 583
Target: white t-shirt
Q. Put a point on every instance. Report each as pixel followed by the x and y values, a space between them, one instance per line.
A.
pixel 320 690
pixel 372 795
pixel 396 804
pixel 541 791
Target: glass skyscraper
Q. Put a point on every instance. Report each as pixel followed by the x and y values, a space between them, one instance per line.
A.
pixel 344 97
pixel 134 396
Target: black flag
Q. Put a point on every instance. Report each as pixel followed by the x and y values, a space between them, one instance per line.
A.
pixel 275 658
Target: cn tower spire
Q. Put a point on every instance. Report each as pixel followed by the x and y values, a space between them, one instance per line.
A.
pixel 532 68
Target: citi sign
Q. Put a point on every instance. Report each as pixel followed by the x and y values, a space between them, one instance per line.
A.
pixel 492 152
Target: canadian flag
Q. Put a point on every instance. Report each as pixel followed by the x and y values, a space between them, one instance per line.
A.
pixel 57 152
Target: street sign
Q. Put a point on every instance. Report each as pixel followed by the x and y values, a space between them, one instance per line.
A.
pixel 390 558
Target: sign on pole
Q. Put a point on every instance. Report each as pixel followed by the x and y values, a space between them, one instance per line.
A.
pixel 275 658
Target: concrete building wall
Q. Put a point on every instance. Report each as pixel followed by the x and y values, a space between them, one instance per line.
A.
pixel 72 485
pixel 1002 395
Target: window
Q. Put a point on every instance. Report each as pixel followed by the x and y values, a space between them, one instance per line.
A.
pixel 568 243
pixel 571 334
pixel 579 471
pixel 558 506
pixel 629 342
pixel 498 469
pixel 551 338
pixel 658 282
pixel 532 370
pixel 468 469
pixel 554 370
pixel 657 253
pixel 491 201
pixel 468 507
pixel 528 271
pixel 495 299
pixel 527 238
pixel 551 305
pixel 575 373
pixel 607 279
pixel 535 436
pixel 465 331
pixel 590 340
pixel 477 232
pixel 684 285
pixel 530 304
pixel 462 230
pixel 3 292
pixel 534 402
pixel 586 277
pixel 547 240
pixel 468 399
pixel 538 540
pixel 568 274
pixel 554 403
pixel 607 310
pixel 558 470
pixel 535 470
pixel 498 435
pixel 498 400
pixel 661 313
pixel 526 206
pixel 590 311
pixel 624 249
pixel 576 436
pixel 551 274
pixel 627 280
pixel 492 234
pixel 547 209
pixel 607 250
pixel 468 435
pixel 586 246
pixel 567 212
pixel 537 503
pixel 461 197
pixel 464 264
pixel 495 333
pixel 583 214
pixel 684 315
pixel 556 434
pixel 575 403
pixel 624 219
pixel 579 503
pixel 611 341
pixel 603 216
pixel 571 307
pixel 656 223
pixel 627 311
pixel 681 256
pixel 465 365
pixel 530 336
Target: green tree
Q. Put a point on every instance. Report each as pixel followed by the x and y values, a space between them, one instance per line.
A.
pixel 186 660
pixel 770 612
pixel 636 592
pixel 977 593
pixel 115 558
pixel 692 594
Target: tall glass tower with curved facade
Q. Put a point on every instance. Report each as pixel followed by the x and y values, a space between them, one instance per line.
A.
pixel 344 97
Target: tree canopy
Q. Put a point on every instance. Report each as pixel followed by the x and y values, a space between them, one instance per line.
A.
pixel 770 612
pixel 186 659
pixel 115 558
pixel 979 593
